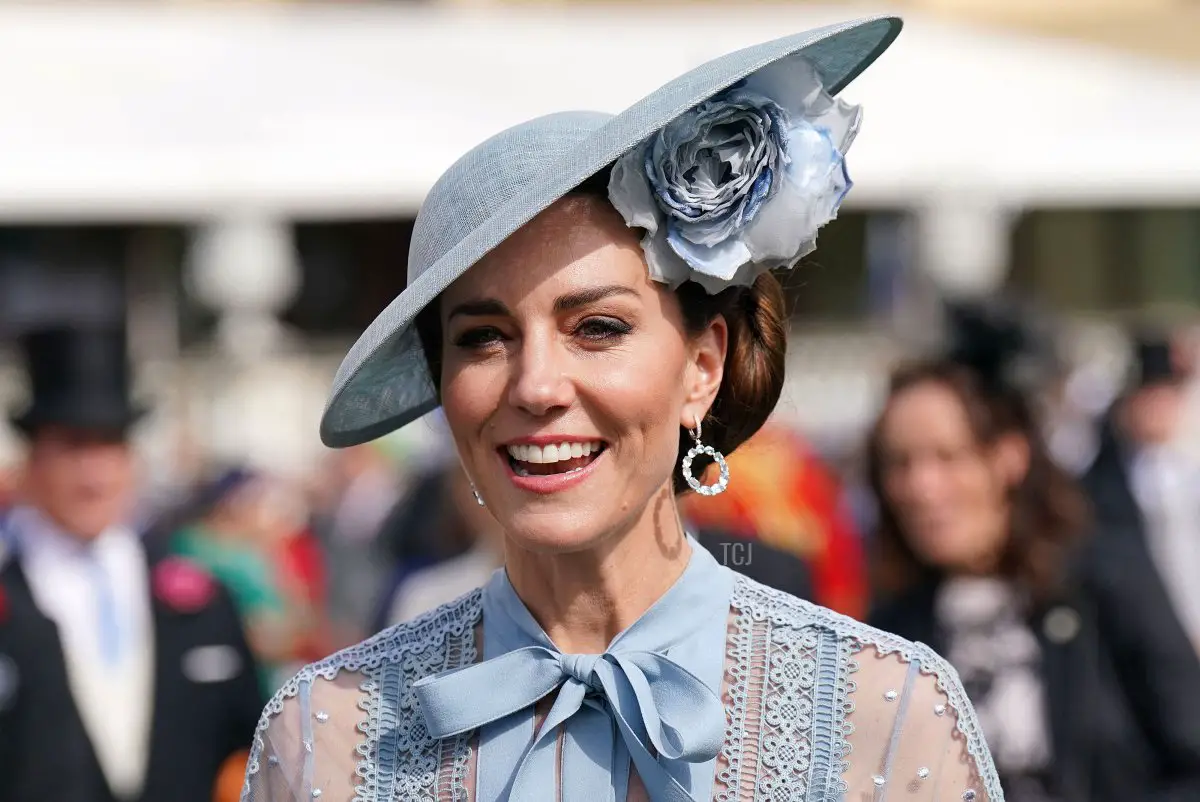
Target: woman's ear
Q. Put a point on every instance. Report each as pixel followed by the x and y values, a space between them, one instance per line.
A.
pixel 706 369
pixel 1010 458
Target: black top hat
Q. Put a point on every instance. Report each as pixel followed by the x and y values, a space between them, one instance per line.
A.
pixel 1008 344
pixel 1154 363
pixel 78 378
pixel 985 337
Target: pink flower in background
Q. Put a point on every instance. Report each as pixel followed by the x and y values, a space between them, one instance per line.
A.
pixel 182 585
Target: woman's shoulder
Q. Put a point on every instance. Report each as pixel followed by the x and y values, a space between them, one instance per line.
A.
pixel 339 700
pixel 435 630
pixel 758 602
pixel 426 641
pixel 902 701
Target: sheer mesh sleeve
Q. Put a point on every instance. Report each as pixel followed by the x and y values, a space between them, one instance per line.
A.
pixel 306 744
pixel 914 734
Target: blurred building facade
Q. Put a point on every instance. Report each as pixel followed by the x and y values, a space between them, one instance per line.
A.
pixel 240 185
pixel 1159 28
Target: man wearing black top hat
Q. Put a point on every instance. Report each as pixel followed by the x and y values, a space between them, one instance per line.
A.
pixel 1141 481
pixel 124 673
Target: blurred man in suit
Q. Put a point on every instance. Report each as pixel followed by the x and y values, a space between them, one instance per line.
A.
pixel 1143 482
pixel 124 674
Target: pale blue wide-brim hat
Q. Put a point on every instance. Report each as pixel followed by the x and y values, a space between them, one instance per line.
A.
pixel 384 382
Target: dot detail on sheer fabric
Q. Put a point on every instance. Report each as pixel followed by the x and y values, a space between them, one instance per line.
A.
pixel 388 663
pixel 273 760
pixel 891 696
pixel 790 679
pixel 783 621
pixel 316 793
pixel 322 716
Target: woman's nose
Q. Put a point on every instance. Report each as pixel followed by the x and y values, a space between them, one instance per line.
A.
pixel 540 383
pixel 925 483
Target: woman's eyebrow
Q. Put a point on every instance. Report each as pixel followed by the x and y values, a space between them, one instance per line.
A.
pixel 564 303
pixel 574 300
pixel 481 307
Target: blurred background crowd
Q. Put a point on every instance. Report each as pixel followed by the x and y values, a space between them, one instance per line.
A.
pixel 990 440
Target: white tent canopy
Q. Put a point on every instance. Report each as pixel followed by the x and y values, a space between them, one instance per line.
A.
pixel 154 112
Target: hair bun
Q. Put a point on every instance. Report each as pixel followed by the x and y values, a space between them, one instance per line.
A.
pixel 756 318
pixel 754 366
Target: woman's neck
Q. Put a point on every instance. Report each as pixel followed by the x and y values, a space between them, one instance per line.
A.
pixel 585 599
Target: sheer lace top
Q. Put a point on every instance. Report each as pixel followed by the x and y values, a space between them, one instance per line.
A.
pixel 817 706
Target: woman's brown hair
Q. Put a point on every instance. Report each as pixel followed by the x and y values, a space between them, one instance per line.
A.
pixel 1048 509
pixel 756 318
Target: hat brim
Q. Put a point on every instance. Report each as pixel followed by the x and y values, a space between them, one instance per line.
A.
pixel 117 419
pixel 384 383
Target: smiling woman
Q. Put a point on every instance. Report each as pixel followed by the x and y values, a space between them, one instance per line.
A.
pixel 590 301
pixel 561 325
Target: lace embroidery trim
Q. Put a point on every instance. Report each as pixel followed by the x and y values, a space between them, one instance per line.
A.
pixel 441 638
pixel 444 638
pixel 462 652
pixel 739 649
pixel 844 706
pixel 755 602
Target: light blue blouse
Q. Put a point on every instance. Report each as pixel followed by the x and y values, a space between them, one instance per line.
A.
pixel 657 684
pixel 723 690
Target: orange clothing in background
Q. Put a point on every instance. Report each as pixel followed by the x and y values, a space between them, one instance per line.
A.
pixel 231 778
pixel 781 492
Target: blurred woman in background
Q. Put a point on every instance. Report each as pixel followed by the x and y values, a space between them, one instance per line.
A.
pixel 238 527
pixel 1085 684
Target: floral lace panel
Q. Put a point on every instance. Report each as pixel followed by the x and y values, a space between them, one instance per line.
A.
pixel 821 707
pixel 346 728
pixel 803 686
pixel 785 696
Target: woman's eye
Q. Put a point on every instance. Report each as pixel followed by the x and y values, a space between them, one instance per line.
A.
pixel 602 328
pixel 477 338
pixel 952 456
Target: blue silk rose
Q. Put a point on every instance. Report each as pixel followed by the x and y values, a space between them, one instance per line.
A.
pixel 741 183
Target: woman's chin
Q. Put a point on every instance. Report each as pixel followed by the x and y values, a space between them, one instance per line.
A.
pixel 552 534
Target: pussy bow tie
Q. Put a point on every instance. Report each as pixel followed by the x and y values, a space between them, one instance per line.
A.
pixel 633 690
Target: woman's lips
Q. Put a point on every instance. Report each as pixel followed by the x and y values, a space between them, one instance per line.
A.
pixel 553 476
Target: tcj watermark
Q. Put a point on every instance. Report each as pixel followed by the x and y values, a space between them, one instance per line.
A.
pixel 737 554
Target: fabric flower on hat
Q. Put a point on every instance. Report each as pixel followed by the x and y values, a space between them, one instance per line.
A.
pixel 741 183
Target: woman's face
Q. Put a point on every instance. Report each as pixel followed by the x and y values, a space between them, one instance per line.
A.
pixel 566 375
pixel 948 493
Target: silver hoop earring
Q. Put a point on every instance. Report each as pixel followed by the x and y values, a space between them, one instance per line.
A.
pixel 705 490
pixel 478 498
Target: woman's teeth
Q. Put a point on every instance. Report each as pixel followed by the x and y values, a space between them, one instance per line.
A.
pixel 532 460
pixel 540 455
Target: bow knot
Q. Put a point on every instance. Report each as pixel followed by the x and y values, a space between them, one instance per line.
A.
pixel 582 667
pixel 636 709
pixel 654 702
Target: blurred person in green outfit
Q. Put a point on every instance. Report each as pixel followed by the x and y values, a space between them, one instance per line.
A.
pixel 220 534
